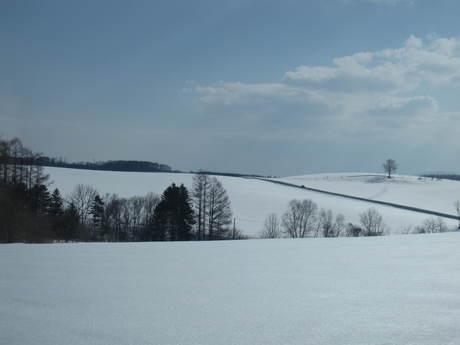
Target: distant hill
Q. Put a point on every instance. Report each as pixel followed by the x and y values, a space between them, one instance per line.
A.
pixel 115 165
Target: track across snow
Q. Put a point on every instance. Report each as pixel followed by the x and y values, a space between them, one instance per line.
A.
pixel 346 291
pixel 369 200
pixel 415 191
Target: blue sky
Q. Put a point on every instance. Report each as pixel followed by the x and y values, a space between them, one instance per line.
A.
pixel 271 87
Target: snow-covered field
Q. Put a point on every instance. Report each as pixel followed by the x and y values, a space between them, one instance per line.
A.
pixel 252 200
pixel 346 291
pixel 426 193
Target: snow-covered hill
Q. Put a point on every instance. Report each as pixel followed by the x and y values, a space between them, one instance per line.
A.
pixel 252 200
pixel 400 290
pixel 421 192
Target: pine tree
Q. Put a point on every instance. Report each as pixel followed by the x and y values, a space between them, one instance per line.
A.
pixel 40 199
pixel 97 213
pixel 56 204
pixel 185 216
pixel 70 223
pixel 173 217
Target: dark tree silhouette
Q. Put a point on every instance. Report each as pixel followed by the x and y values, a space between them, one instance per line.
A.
pixel 173 217
pixel 390 166
pixel 56 207
pixel 97 213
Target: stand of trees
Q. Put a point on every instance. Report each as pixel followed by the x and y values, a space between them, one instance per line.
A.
pixel 30 213
pixel 444 176
pixel 18 165
pixel 303 219
pixel 212 209
pixel 116 165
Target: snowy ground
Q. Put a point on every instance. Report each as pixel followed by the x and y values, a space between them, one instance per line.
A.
pixel 427 193
pixel 347 291
pixel 252 200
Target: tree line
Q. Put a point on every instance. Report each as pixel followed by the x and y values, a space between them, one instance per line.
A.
pixel 29 212
pixel 304 219
pixel 112 165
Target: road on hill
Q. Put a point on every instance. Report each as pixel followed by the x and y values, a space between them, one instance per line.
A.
pixel 347 196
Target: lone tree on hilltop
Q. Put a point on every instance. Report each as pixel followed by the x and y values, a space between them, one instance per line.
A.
pixel 390 166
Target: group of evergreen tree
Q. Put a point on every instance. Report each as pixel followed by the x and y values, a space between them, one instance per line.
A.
pixel 173 217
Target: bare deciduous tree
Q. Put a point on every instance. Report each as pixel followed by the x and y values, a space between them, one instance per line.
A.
pixel 300 218
pixel 390 166
pixel 339 225
pixel 326 223
pixel 330 226
pixel 218 210
pixel 271 227
pixel 82 198
pixel 431 225
pixel 372 223
pixel 212 208
pixel 200 189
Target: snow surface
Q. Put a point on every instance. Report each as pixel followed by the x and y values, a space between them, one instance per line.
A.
pixel 346 291
pixel 252 200
pixel 422 192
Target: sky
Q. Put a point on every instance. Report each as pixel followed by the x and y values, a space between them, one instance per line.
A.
pixel 269 87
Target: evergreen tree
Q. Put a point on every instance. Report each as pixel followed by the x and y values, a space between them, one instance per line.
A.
pixel 173 217
pixel 56 207
pixel 185 215
pixel 97 213
pixel 40 199
pixel 70 223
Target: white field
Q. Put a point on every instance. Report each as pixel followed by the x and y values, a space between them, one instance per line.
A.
pixel 345 291
pixel 426 193
pixel 252 200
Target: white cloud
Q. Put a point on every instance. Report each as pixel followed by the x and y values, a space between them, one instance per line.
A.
pixel 394 70
pixel 390 84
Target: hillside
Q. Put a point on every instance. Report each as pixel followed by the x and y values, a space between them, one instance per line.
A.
pixel 344 291
pixel 252 200
pixel 422 192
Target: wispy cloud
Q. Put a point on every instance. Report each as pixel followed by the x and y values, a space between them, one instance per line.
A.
pixel 417 62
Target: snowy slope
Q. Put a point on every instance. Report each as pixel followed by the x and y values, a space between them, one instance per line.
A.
pixel 252 200
pixel 346 291
pixel 427 193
